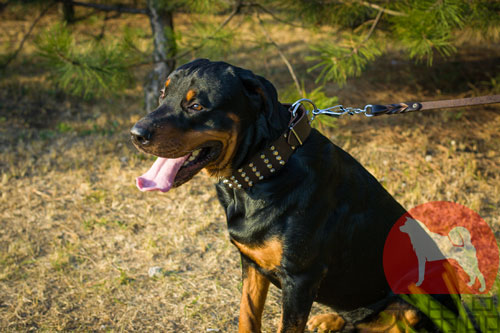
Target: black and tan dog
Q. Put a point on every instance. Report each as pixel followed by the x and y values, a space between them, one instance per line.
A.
pixel 304 214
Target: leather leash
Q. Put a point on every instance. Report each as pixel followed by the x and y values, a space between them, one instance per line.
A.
pixel 377 110
pixel 372 110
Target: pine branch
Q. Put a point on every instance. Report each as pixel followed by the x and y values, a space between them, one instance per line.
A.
pixel 30 30
pixel 370 32
pixel 372 28
pixel 281 54
pixel 377 7
pixel 109 8
pixel 237 8
pixel 340 61
pixel 89 70
pixel 267 11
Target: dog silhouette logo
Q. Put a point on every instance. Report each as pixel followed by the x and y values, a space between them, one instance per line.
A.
pixel 431 246
pixel 440 241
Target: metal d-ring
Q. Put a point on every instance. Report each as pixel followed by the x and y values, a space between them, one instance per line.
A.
pixel 300 102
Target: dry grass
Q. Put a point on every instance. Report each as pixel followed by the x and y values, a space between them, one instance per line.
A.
pixel 77 238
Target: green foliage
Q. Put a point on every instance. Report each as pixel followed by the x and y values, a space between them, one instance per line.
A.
pixel 428 26
pixel 129 45
pixel 483 14
pixel 346 59
pixel 365 29
pixel 85 69
pixel 346 14
pixel 216 42
pixel 197 6
pixel 421 28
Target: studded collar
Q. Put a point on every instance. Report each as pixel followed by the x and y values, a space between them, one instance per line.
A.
pixel 270 160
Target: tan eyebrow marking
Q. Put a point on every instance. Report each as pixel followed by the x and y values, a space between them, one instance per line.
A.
pixel 190 95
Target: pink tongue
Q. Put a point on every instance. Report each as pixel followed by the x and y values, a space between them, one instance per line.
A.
pixel 161 175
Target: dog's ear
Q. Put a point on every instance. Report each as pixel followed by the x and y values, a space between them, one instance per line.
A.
pixel 261 93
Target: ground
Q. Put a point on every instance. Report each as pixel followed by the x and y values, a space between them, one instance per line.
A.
pixel 77 239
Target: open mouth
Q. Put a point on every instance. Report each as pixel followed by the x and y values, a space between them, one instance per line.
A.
pixel 172 172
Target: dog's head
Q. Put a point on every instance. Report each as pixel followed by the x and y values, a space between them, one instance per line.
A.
pixel 409 226
pixel 205 109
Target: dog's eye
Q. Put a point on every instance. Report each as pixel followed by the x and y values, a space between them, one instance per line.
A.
pixel 196 107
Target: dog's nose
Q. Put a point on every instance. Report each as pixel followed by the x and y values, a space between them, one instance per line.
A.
pixel 141 135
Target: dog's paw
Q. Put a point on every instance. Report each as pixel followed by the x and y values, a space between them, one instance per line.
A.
pixel 328 322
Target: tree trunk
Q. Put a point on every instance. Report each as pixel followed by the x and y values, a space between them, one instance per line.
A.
pixel 162 26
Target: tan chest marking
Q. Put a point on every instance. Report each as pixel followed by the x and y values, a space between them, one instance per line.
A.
pixel 267 255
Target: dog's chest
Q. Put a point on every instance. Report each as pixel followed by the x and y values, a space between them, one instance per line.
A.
pixel 267 254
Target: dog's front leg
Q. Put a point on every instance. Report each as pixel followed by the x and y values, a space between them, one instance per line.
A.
pixel 253 297
pixel 298 293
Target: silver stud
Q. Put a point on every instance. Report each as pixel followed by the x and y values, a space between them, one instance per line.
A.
pixel 285 135
pixel 232 178
pixel 225 181
pixel 293 147
pixel 266 160
pixel 250 184
pixel 239 185
pixel 282 162
pixel 269 165
pixel 240 170
pixel 243 174
pixel 275 153
pixel 261 177
pixel 273 148
pixel 257 174
pixel 247 179
pixel 262 156
pixel 250 165
pixel 272 170
pixel 230 185
pixel 278 158
pixel 254 169
pixel 236 181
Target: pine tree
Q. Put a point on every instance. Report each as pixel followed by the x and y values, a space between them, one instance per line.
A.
pixel 364 31
pixel 421 28
pixel 89 68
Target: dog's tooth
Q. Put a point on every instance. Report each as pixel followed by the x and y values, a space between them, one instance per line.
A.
pixel 191 158
pixel 196 152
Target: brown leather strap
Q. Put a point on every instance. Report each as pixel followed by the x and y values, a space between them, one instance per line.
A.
pixel 377 110
pixel 269 161
pixel 453 103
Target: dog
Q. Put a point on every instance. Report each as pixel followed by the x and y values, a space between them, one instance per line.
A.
pixel 304 214
pixel 431 246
